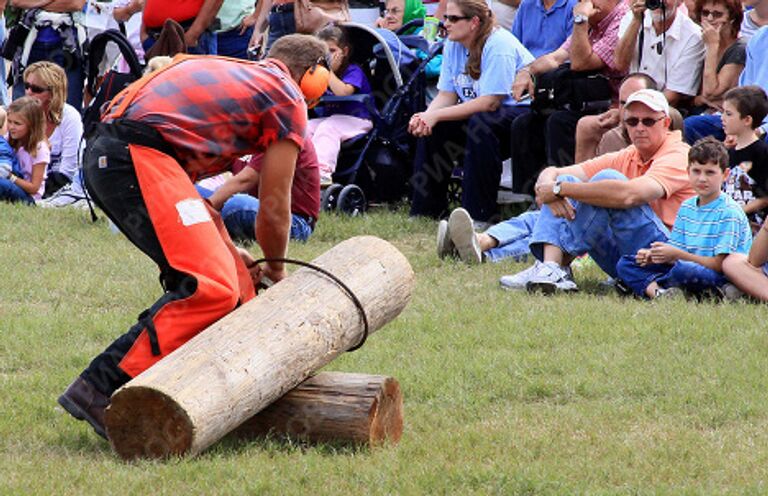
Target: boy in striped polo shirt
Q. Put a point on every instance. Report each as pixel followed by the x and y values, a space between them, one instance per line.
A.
pixel 708 227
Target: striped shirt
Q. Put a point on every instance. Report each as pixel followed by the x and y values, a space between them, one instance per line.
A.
pixel 717 228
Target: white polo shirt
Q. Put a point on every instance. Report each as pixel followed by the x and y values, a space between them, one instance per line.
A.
pixel 674 59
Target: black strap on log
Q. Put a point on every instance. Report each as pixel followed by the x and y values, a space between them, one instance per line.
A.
pixel 335 279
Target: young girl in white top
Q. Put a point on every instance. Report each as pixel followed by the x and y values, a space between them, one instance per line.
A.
pixel 26 134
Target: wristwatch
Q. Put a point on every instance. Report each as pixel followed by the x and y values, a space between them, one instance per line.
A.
pixel 580 19
pixel 556 188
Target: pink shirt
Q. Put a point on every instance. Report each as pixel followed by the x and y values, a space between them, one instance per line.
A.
pixel 26 161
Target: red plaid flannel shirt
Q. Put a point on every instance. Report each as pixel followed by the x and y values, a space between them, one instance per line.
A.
pixel 212 110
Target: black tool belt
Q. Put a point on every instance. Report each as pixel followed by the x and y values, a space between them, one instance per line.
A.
pixel 135 133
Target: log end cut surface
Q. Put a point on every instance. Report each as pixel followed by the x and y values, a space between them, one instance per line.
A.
pixel 145 423
pixel 387 421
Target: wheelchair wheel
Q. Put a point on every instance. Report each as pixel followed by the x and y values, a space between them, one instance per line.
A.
pixel 352 200
pixel 454 193
pixel 330 197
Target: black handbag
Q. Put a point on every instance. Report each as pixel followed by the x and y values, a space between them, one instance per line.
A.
pixel 565 89
pixel 16 38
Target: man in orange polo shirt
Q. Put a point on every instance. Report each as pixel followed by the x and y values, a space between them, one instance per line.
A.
pixel 612 205
pixel 607 207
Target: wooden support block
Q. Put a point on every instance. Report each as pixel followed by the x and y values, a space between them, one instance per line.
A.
pixel 334 406
pixel 253 356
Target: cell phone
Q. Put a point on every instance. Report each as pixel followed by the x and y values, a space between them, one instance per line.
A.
pixel 253 52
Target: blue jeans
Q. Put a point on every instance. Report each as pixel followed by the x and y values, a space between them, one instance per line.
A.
pixel 13 193
pixel 239 216
pixel 514 236
pixel 480 143
pixel 71 64
pixel 700 126
pixel 233 44
pixel 488 144
pixel 605 233
pixel 690 276
pixel 280 24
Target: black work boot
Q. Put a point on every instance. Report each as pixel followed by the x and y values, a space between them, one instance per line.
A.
pixel 84 402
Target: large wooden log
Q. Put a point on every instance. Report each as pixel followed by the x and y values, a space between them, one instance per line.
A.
pixel 334 406
pixel 253 356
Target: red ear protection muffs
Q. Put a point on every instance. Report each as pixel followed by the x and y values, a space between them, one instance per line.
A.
pixel 314 82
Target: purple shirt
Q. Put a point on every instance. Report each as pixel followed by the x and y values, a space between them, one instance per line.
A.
pixel 355 76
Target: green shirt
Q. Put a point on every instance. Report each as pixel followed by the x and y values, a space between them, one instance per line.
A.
pixel 232 12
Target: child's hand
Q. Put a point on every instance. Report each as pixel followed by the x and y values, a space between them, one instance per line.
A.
pixel 662 253
pixel 337 58
pixel 643 256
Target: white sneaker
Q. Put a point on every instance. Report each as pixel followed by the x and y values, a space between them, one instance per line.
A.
pixel 65 197
pixel 672 293
pixel 520 280
pixel 730 292
pixel 551 278
pixel 445 246
pixel 463 236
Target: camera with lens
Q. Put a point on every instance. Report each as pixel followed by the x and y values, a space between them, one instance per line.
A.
pixel 654 4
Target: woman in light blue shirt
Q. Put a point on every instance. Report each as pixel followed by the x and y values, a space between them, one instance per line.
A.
pixel 469 121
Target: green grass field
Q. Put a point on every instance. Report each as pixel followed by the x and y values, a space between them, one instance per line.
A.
pixel 505 393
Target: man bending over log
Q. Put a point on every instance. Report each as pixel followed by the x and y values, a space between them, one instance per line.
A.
pixel 189 120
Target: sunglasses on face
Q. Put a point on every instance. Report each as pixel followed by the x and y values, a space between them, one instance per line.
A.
pixel 714 14
pixel 35 88
pixel 453 19
pixel 646 121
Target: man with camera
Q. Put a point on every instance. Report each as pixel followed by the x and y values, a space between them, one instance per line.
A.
pixel 657 40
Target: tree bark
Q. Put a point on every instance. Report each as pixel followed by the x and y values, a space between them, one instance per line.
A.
pixel 254 355
pixel 334 406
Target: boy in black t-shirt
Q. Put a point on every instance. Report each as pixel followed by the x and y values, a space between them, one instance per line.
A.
pixel 744 109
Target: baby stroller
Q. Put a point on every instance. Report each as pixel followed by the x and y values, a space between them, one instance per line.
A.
pixel 375 167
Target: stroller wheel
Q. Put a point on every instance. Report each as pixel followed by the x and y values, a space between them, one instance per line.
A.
pixel 352 200
pixel 454 193
pixel 330 197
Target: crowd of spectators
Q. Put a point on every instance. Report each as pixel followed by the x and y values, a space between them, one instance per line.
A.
pixel 495 57
pixel 637 125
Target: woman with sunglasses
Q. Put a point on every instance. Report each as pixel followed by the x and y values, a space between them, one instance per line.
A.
pixel 47 83
pixel 725 54
pixel 469 120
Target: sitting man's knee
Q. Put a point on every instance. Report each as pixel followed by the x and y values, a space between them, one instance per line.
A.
pixel 568 178
pixel 608 174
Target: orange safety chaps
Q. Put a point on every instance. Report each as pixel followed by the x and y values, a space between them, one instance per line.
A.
pixel 147 194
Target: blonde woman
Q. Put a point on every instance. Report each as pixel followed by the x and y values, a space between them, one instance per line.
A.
pixel 47 83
